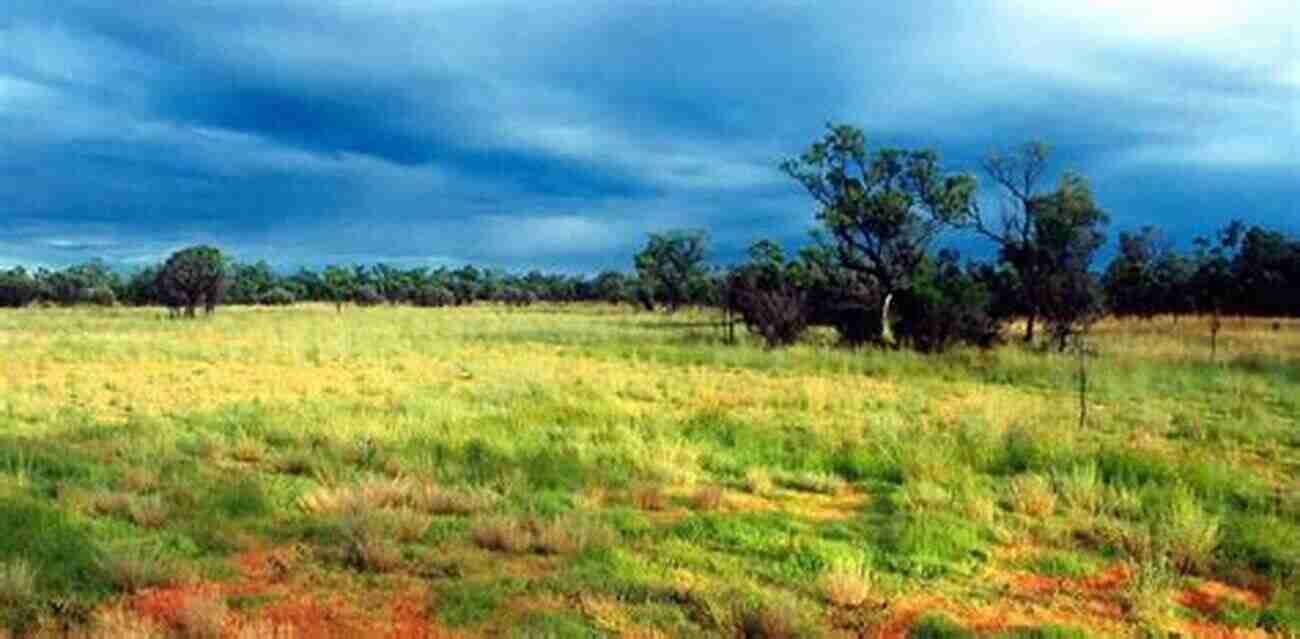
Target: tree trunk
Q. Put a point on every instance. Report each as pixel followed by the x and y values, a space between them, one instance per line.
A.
pixel 731 325
pixel 1083 380
pixel 886 331
pixel 1215 325
pixel 1029 328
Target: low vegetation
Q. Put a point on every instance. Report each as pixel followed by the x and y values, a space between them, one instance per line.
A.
pixel 588 470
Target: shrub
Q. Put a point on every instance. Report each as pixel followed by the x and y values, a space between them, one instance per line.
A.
pixel 440 500
pixel 18 594
pixel 366 544
pixel 17 288
pixel 571 534
pixel 1031 494
pixel 148 512
pixel 1081 489
pixel 946 306
pixel 923 496
pixel 434 296
pixel 767 299
pixel 774 619
pixel 847 586
pixel 130 571
pixel 99 296
pixel 1187 533
pixel 502 534
pixel 408 525
pixel 367 296
pixel 278 296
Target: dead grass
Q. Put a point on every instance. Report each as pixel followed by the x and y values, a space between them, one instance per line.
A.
pixel 440 500
pixel 650 498
pixel 119 623
pixel 502 534
pixel 707 498
pixel 1031 494
pixel 17 584
pixel 758 481
pixel 148 512
pixel 203 617
pixel 570 534
pixel 846 587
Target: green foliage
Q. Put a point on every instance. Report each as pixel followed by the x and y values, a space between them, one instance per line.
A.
pixel 469 602
pixel 1043 632
pixel 60 552
pixel 553 625
pixel 932 545
pixel 191 278
pixel 672 264
pixel 938 626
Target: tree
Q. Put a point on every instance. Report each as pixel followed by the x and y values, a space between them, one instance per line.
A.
pixel 1267 270
pixel 765 294
pixel 1131 279
pixel 17 288
pixel 883 209
pixel 1046 268
pixel 247 283
pixel 1018 173
pixel 193 277
pixel 611 286
pixel 671 262
pixel 340 284
pixel 1067 232
pixel 948 305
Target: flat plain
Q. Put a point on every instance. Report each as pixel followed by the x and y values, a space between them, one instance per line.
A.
pixel 589 470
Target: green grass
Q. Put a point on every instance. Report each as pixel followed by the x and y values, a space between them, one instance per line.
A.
pixel 139 453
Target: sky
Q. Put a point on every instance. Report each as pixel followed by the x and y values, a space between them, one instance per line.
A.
pixel 555 134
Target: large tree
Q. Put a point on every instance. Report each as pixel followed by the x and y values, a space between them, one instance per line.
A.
pixel 1046 268
pixel 193 277
pixel 671 262
pixel 1131 280
pixel 882 209
pixel 1068 231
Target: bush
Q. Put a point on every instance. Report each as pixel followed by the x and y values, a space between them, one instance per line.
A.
pixel 778 313
pixel 367 296
pixel 433 297
pixel 768 298
pixel 947 306
pixel 17 288
pixel 517 297
pixel 99 296
pixel 278 296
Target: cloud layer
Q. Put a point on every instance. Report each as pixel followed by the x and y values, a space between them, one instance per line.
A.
pixel 556 133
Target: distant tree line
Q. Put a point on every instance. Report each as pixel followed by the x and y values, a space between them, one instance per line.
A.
pixel 871 271
pixel 198 278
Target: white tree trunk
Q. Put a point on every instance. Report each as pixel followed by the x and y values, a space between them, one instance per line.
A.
pixel 886 331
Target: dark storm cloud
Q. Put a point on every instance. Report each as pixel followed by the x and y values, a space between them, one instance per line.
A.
pixel 557 133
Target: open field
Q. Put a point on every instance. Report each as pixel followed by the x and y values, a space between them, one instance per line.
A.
pixel 584 471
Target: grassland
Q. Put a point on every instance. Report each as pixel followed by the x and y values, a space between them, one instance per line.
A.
pixel 586 471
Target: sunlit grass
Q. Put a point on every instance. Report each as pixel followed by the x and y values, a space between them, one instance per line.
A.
pixel 497 459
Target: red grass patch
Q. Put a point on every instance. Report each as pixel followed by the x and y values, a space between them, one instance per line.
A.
pixel 164 605
pixel 1209 596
